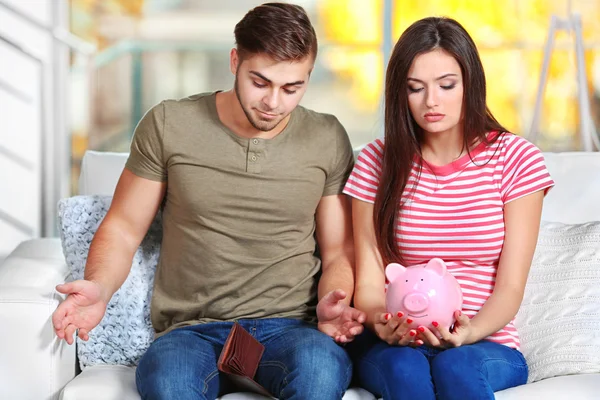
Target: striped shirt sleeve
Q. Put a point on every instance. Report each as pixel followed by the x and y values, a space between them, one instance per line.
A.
pixel 364 179
pixel 524 170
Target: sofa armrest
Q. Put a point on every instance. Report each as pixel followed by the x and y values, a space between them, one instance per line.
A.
pixel 34 364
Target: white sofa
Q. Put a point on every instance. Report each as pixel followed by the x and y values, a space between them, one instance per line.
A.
pixel 35 365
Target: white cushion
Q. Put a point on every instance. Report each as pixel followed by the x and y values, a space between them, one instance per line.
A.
pixel 117 382
pixel 572 387
pixel 100 172
pixel 559 322
pixel 576 196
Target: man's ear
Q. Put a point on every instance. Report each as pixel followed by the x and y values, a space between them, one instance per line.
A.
pixel 234 60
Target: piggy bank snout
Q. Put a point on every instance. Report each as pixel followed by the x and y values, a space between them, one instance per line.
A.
pixel 416 302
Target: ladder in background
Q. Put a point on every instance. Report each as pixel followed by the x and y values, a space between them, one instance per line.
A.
pixel 587 130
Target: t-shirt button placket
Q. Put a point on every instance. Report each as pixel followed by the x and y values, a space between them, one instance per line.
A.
pixel 253 162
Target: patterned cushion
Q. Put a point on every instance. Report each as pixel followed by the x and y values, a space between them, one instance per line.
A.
pixel 559 319
pixel 125 332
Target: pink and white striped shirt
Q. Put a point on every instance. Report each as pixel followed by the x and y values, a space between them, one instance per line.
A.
pixel 456 211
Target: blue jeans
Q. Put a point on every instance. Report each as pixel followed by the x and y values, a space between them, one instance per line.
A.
pixel 299 362
pixel 471 372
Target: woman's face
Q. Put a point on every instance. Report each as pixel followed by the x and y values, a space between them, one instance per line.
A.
pixel 435 92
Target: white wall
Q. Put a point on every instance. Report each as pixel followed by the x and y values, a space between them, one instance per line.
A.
pixel 33 135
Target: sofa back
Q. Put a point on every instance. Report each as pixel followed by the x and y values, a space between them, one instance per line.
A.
pixel 574 199
pixel 576 196
pixel 100 172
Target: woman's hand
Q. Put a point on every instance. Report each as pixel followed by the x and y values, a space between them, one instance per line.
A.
pixel 395 330
pixel 440 336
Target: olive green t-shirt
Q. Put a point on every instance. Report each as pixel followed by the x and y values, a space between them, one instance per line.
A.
pixel 239 214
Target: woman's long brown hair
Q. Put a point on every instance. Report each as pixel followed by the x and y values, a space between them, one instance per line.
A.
pixel 403 137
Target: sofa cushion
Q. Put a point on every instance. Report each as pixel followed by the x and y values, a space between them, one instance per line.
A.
pixel 125 332
pixel 559 322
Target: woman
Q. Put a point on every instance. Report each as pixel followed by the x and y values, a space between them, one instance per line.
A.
pixel 447 181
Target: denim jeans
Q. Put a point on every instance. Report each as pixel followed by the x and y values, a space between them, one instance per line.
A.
pixel 470 372
pixel 299 362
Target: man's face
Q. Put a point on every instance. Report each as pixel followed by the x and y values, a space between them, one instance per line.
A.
pixel 268 90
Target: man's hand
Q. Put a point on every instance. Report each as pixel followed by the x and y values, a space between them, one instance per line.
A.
pixel 82 310
pixel 337 319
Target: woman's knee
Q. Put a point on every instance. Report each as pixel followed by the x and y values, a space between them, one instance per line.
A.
pixel 453 363
pixel 457 374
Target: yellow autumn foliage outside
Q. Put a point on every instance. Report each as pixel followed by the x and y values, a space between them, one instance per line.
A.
pixel 85 16
pixel 509 34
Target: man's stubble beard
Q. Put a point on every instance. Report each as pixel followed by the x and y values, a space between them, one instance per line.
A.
pixel 255 124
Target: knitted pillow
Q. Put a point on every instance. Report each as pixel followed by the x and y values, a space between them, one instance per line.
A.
pixel 125 332
pixel 559 319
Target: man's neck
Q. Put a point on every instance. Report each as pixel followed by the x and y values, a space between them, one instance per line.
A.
pixel 232 115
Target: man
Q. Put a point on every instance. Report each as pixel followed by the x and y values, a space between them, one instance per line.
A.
pixel 249 183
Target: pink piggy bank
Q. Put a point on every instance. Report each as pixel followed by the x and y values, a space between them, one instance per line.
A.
pixel 424 293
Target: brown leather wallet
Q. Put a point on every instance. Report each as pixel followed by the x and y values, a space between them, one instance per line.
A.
pixel 239 359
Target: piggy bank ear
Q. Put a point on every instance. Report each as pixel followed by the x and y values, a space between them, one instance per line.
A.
pixel 437 265
pixel 393 270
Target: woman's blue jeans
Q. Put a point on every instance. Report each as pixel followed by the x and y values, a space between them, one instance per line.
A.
pixel 299 362
pixel 470 372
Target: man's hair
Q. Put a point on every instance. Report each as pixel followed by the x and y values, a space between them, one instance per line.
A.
pixel 281 31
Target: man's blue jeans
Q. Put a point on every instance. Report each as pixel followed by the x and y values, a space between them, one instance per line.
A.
pixel 299 362
pixel 470 372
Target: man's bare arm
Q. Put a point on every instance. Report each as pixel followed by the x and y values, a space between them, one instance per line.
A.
pixel 334 235
pixel 134 206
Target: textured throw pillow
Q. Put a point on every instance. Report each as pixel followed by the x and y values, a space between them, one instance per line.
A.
pixel 125 332
pixel 559 319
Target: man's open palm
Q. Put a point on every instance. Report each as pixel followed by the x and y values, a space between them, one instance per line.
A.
pixel 82 310
pixel 337 319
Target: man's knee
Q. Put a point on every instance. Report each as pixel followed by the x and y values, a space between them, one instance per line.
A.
pixel 327 356
pixel 173 367
pixel 160 384
pixel 321 367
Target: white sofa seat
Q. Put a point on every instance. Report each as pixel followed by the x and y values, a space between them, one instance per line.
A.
pixel 117 382
pixel 35 366
pixel 570 387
